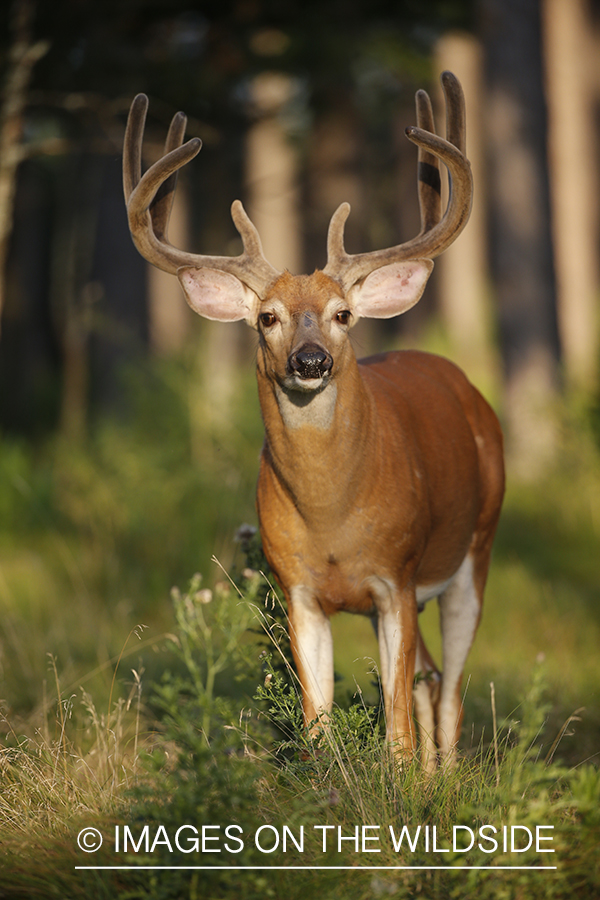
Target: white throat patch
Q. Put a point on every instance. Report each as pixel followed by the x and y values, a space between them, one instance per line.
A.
pixel 315 409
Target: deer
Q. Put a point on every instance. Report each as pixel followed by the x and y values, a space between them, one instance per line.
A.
pixel 380 480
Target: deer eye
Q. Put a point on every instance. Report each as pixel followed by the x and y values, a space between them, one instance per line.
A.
pixel 268 319
pixel 343 316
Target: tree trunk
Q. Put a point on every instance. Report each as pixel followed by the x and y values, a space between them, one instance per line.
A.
pixel 22 57
pixel 521 245
pixel 463 268
pixel 570 60
pixel 272 174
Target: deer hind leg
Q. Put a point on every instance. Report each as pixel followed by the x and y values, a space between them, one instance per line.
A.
pixel 426 698
pixel 460 610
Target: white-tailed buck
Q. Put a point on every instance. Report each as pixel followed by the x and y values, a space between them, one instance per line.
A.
pixel 380 480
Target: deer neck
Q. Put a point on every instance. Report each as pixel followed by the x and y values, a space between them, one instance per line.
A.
pixel 317 445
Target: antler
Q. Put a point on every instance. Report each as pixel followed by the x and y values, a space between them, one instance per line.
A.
pixel 149 199
pixel 436 234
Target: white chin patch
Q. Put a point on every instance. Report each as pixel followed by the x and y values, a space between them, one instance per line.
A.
pixel 307 385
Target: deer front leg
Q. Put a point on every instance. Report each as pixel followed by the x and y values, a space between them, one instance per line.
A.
pixel 397 633
pixel 312 649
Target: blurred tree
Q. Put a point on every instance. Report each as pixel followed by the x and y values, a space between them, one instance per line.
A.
pixel 22 55
pixel 520 239
pixel 463 269
pixel 571 55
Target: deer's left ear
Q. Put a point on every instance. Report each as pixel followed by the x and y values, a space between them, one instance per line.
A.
pixel 390 290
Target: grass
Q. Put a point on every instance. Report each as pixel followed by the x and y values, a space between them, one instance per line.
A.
pixel 256 778
pixel 195 719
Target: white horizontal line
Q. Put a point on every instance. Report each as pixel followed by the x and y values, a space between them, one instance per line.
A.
pixel 315 868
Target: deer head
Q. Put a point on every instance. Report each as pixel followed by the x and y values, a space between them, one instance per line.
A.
pixel 378 284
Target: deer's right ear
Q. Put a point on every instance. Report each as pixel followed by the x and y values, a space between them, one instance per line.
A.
pixel 218 295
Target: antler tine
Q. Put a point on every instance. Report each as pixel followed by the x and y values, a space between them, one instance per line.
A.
pixel 151 245
pixel 428 168
pixel 429 243
pixel 132 146
pixel 149 199
pixel 161 206
pixel 337 257
pixel 456 126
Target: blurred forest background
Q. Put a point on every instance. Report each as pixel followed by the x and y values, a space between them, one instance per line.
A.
pixel 130 430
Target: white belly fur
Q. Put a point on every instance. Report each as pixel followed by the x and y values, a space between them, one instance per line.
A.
pixel 427 592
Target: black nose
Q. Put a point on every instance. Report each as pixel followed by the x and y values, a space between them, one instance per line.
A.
pixel 310 362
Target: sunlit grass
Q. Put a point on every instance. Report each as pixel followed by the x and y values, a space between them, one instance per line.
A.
pixel 208 762
pixel 73 757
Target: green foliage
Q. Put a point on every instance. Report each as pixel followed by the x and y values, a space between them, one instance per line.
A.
pixel 98 531
pixel 359 728
pixel 205 646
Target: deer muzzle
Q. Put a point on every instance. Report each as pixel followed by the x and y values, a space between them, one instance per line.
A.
pixel 309 362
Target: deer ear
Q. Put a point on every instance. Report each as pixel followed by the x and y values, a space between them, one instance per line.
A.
pixel 218 295
pixel 390 290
